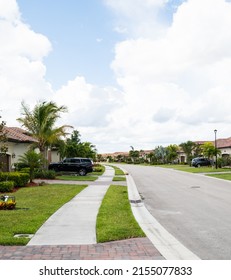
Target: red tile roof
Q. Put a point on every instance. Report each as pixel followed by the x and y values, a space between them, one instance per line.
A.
pixel 17 134
pixel 224 143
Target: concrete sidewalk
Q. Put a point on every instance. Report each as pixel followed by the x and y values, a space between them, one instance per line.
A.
pixel 75 222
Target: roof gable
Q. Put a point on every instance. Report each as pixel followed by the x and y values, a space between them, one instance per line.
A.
pixel 16 134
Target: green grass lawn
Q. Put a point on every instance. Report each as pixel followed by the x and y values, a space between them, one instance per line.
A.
pixel 77 178
pixel 118 171
pixel 89 177
pixel 191 169
pixel 222 176
pixel 115 220
pixel 34 206
pixel 119 178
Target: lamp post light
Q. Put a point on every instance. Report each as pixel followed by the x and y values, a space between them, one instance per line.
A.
pixel 215 132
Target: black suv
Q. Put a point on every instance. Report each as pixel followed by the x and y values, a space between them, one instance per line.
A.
pixel 82 166
pixel 199 161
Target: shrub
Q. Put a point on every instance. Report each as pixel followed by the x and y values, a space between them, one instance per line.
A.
pixel 45 174
pixel 19 179
pixel 6 186
pixel 25 170
pixel 19 166
pixel 98 169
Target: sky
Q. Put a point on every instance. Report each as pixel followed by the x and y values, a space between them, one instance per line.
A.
pixel 138 73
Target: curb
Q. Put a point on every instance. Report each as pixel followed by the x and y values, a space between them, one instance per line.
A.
pixel 165 243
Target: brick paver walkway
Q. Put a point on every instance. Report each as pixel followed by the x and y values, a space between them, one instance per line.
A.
pixel 131 249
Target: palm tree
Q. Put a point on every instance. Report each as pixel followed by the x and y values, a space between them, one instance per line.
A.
pixel 188 148
pixel 32 160
pixel 172 152
pixel 40 122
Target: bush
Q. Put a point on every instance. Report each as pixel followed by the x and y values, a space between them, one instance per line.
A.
pixel 19 179
pixel 19 166
pixel 98 169
pixel 25 170
pixel 45 174
pixel 224 161
pixel 6 186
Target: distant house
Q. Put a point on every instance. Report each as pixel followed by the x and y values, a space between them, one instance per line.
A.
pixel 18 142
pixel 224 145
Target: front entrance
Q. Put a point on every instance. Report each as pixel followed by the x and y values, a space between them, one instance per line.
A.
pixel 4 162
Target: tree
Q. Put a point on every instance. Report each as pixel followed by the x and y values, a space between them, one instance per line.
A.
pixel 188 148
pixel 160 154
pixel 32 160
pixel 134 154
pixel 75 148
pixel 209 150
pixel 40 122
pixel 172 152
pixel 3 146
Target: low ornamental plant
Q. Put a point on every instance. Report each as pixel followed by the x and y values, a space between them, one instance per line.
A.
pixel 7 203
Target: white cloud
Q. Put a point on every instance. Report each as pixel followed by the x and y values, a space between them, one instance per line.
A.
pixel 22 71
pixel 89 105
pixel 177 86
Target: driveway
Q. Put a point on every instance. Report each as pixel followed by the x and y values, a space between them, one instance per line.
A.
pixel 195 209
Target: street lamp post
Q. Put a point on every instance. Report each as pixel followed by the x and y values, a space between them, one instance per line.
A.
pixel 215 131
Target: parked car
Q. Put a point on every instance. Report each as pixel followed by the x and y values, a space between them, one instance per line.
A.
pixel 82 166
pixel 200 161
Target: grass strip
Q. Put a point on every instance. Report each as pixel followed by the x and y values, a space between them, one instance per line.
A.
pixel 191 169
pixel 115 220
pixel 77 178
pixel 226 176
pixel 118 171
pixel 34 206
pixel 119 178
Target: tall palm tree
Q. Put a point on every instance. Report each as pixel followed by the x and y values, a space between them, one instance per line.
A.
pixel 188 148
pixel 40 122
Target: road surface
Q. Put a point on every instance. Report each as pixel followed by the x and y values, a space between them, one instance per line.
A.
pixel 195 209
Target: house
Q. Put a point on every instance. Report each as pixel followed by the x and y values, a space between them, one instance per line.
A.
pixel 18 142
pixel 224 145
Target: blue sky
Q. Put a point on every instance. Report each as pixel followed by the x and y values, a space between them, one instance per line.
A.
pixel 82 37
pixel 138 73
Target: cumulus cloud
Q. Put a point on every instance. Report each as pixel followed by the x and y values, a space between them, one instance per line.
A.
pixel 89 105
pixel 181 79
pixel 22 71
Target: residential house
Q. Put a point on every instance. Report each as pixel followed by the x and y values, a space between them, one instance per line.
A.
pixel 18 142
pixel 224 145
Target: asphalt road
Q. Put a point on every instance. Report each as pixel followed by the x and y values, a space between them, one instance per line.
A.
pixel 195 209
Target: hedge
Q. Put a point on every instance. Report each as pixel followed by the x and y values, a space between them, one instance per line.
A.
pixel 6 186
pixel 19 179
